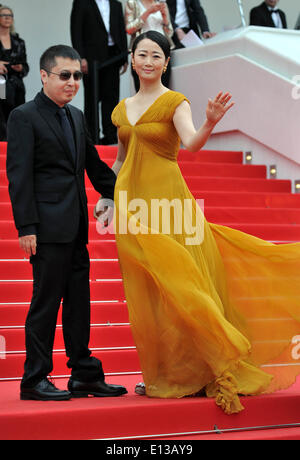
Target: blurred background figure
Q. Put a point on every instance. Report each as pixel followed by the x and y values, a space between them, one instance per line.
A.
pixel 268 15
pixel 297 26
pixel 142 16
pixel 188 15
pixel 98 35
pixel 13 65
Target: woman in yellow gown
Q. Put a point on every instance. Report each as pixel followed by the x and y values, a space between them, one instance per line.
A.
pixel 219 313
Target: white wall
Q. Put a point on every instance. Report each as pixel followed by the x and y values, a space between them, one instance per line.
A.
pixel 43 23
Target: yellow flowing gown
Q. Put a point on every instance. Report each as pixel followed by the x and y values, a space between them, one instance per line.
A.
pixel 222 314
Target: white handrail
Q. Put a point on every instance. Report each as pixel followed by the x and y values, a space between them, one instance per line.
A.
pixel 240 4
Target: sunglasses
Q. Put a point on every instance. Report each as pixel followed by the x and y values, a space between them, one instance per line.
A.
pixel 65 75
pixel 6 15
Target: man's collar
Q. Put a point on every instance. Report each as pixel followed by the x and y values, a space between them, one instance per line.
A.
pixel 273 10
pixel 50 104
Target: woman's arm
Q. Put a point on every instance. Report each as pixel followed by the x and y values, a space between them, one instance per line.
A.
pixel 133 22
pixel 167 25
pixel 192 139
pixel 121 155
pixel 101 211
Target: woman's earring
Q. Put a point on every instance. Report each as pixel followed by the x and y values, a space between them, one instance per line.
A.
pixel 165 68
pixel 133 65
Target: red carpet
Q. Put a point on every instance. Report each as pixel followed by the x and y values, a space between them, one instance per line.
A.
pixel 234 194
pixel 139 417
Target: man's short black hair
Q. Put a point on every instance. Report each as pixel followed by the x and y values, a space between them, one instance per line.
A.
pixel 48 58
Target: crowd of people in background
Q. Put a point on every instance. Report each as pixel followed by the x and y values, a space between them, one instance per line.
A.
pixel 100 37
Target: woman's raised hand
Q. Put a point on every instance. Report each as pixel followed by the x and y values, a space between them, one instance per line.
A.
pixel 154 8
pixel 217 108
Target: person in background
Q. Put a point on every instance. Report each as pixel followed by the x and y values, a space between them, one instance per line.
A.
pixel 142 16
pixel 98 34
pixel 188 15
pixel 268 15
pixel 297 26
pixel 13 65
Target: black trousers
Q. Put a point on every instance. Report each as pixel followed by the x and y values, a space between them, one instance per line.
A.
pixel 108 95
pixel 60 272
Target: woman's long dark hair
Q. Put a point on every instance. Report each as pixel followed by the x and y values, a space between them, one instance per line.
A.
pixel 156 37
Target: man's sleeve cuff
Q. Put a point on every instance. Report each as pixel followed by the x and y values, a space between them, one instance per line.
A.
pixel 27 230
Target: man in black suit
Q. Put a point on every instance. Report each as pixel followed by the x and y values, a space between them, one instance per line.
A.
pixel 267 15
pixel 49 150
pixel 98 34
pixel 187 15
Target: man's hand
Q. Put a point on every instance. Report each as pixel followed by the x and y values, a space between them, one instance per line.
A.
pixel 180 34
pixel 28 244
pixel 208 34
pixel 104 211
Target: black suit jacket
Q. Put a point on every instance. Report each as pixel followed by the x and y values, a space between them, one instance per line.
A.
pixel 89 35
pixel 262 16
pixel 46 187
pixel 195 13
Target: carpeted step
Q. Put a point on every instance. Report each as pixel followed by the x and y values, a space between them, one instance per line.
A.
pixel 14 314
pixel 109 336
pixel 256 434
pixel 110 152
pixel 189 168
pixel 215 157
pixel 226 184
pixel 216 214
pixel 22 291
pixel 216 197
pixel 114 361
pixel 136 417
pixel 240 215
pixel 252 216
pixel 205 156
pixel 248 199
pixel 22 270
pixel 229 183
pixel 242 199
pixel 4 195
pixel 98 249
pixel 269 232
pixel 9 231
pixel 238 184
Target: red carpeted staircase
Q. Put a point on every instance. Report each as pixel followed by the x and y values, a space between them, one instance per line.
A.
pixel 235 195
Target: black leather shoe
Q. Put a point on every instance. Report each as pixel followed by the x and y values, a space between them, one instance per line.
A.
pixel 99 389
pixel 44 391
